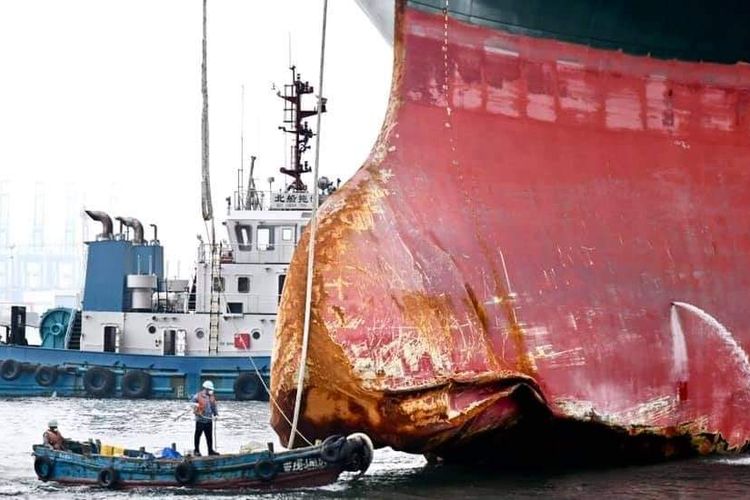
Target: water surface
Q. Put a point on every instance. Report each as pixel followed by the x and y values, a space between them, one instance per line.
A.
pixel 393 475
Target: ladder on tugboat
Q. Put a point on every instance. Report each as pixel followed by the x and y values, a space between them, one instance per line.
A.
pixel 74 339
pixel 214 308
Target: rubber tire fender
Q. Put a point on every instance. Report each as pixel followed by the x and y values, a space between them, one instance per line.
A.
pixel 108 478
pixel 266 469
pixel 46 375
pixel 247 387
pixel 333 449
pixel 185 472
pixel 10 369
pixel 105 379
pixel 136 384
pixel 359 451
pixel 44 466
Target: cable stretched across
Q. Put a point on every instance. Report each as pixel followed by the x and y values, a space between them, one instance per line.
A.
pixel 263 382
pixel 311 242
pixel 275 403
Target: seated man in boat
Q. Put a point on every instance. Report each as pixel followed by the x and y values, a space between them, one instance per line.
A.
pixel 205 410
pixel 52 437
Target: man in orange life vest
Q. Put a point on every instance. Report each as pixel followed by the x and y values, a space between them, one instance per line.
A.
pixel 205 410
pixel 52 437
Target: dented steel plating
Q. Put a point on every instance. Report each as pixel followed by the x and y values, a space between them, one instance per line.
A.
pixel 603 187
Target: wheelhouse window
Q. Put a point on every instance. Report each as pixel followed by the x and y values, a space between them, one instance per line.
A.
pixel 265 237
pixel 243 284
pixel 287 234
pixel 244 234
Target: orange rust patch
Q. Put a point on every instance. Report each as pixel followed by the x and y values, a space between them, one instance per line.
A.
pixel 481 314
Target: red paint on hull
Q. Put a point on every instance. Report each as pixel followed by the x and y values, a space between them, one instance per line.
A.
pixel 597 187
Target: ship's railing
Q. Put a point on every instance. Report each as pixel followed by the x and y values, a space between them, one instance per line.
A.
pixel 255 253
pixel 204 252
pixel 171 302
pixel 235 303
pixel 243 303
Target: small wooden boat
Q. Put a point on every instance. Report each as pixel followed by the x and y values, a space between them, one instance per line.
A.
pixel 311 466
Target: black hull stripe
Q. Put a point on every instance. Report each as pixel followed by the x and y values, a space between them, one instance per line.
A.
pixel 689 30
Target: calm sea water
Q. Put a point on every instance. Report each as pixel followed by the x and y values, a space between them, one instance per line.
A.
pixel 393 475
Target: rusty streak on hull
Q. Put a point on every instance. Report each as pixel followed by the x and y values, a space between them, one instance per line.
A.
pixel 509 255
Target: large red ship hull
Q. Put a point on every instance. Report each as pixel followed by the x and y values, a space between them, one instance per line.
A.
pixel 542 227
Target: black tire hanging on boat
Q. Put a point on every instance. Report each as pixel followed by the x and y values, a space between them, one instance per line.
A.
pixel 99 382
pixel 46 375
pixel 332 450
pixel 184 473
pixel 43 466
pixel 358 453
pixel 266 469
pixel 247 387
pixel 10 369
pixel 108 478
pixel 136 384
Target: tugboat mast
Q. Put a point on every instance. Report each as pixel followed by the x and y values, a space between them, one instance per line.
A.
pixel 294 124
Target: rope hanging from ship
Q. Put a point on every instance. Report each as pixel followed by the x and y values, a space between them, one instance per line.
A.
pixel 303 134
pixel 311 245
pixel 265 386
pixel 207 210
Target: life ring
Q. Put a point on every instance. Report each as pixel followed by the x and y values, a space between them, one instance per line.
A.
pixel 332 449
pixel 99 382
pixel 184 473
pixel 43 466
pixel 136 384
pixel 46 375
pixel 108 478
pixel 10 369
pixel 266 469
pixel 247 387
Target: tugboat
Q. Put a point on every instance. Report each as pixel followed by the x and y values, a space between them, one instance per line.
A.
pixel 138 334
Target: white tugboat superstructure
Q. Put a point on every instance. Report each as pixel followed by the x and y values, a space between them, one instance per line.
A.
pixel 139 334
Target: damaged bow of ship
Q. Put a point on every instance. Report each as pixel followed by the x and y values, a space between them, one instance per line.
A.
pixel 545 256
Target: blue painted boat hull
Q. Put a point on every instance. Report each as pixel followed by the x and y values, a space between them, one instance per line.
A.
pixel 309 466
pixel 171 377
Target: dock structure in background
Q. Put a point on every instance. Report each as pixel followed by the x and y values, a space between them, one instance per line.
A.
pixel 39 265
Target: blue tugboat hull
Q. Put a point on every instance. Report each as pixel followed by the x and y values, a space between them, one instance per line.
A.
pixel 37 371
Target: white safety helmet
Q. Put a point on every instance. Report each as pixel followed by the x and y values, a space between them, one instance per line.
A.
pixel 208 385
pixel 52 424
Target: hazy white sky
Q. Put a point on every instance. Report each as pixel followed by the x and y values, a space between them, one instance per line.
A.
pixel 100 101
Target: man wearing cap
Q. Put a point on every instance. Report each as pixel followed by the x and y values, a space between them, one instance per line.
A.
pixel 52 437
pixel 205 410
